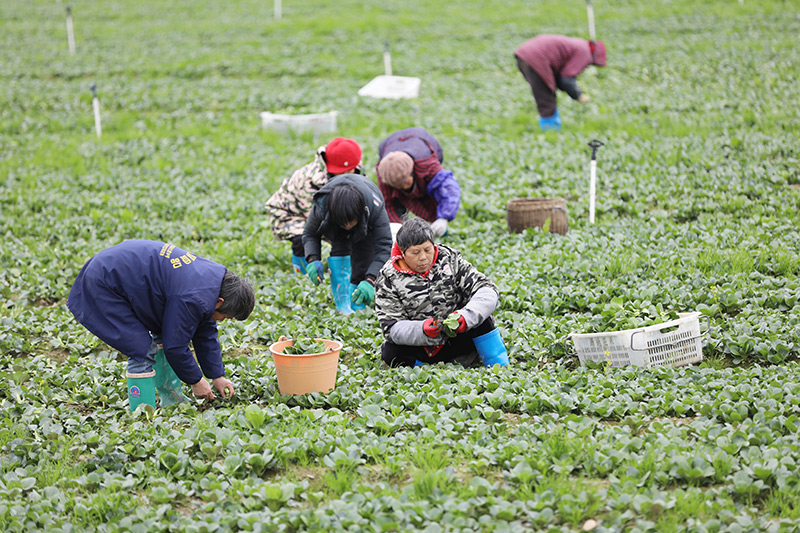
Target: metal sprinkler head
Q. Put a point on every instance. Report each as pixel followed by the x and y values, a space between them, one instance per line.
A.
pixel 595 144
pixel 93 88
pixel 69 10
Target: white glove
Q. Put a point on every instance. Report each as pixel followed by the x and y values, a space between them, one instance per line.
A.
pixel 395 227
pixel 439 227
pixel 583 98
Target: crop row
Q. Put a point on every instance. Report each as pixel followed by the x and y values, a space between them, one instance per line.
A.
pixel 542 448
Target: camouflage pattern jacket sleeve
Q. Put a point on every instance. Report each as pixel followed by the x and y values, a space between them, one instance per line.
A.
pixel 289 206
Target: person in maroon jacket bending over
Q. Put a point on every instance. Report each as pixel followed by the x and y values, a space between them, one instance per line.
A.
pixel 551 62
pixel 411 178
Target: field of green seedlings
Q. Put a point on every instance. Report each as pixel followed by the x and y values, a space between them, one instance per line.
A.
pixel 698 209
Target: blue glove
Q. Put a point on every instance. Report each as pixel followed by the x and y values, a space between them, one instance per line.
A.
pixel 364 293
pixel 315 272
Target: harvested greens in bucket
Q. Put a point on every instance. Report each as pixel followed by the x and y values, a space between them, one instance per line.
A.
pixel 305 346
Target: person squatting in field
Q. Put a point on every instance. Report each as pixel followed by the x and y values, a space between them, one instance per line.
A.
pixel 550 62
pixel 434 306
pixel 349 213
pixel 288 207
pixel 149 300
pixel 411 178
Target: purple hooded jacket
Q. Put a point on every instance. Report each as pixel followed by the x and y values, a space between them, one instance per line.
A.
pixel 436 193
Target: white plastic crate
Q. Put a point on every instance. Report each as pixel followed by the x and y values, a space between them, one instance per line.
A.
pixel 673 343
pixel 316 122
pixel 394 87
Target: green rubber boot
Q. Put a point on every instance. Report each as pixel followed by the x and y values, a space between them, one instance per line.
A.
pixel 141 389
pixel 167 382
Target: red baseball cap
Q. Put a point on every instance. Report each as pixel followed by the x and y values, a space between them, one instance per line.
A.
pixel 342 155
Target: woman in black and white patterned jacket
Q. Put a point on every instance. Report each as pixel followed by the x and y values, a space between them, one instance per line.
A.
pixel 434 306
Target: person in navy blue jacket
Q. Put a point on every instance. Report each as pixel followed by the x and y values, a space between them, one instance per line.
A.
pixel 140 296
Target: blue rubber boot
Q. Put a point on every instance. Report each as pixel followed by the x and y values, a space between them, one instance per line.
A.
pixel 418 363
pixel 354 306
pixel 491 348
pixel 299 264
pixel 340 283
pixel 141 389
pixel 550 123
pixel 167 383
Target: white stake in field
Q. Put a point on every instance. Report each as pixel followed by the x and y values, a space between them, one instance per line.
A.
pixel 590 16
pixel 70 32
pixel 276 10
pixel 388 85
pixel 96 107
pixel 387 58
pixel 594 144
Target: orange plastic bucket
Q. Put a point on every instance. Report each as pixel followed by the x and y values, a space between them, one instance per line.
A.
pixel 311 372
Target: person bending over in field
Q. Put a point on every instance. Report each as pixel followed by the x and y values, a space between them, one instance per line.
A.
pixel 550 62
pixel 434 306
pixel 149 300
pixel 288 207
pixel 349 213
pixel 411 178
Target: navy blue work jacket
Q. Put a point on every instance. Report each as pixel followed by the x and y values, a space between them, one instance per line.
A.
pixel 135 288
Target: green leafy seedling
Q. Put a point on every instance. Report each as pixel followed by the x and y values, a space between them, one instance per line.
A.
pixel 450 324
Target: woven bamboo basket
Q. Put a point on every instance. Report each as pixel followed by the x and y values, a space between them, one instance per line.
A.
pixel 522 213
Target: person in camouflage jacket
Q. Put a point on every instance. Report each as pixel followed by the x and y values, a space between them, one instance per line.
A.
pixel 289 206
pixel 420 287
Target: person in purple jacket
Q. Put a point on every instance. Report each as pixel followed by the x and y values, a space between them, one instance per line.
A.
pixel 551 62
pixel 149 300
pixel 411 178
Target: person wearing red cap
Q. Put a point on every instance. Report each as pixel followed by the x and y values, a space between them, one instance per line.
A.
pixel 550 62
pixel 289 206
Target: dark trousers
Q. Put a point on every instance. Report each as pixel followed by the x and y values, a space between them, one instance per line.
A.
pixel 297 246
pixel 460 349
pixel 545 97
